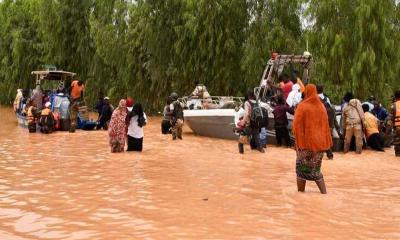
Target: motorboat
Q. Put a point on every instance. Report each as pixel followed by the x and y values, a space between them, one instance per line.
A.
pixel 53 79
pixel 214 117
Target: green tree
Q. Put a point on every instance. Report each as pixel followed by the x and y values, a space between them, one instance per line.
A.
pixel 274 27
pixel 354 45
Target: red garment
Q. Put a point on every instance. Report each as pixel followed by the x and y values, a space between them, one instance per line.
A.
pixel 310 125
pixel 280 117
pixel 286 88
pixel 117 128
pixel 129 102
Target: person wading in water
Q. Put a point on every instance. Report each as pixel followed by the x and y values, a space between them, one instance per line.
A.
pixel 313 138
pixel 176 113
pixel 77 89
pixel 396 122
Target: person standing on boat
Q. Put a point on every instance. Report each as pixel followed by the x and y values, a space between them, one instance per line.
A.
pixel 396 122
pixel 285 84
pixel 311 141
pixel 46 120
pixel 37 97
pixel 77 90
pixel 31 114
pixel 200 91
pixel 176 113
pixel 254 131
pixel 294 97
pixel 17 100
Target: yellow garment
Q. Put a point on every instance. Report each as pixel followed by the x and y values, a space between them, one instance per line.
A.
pixel 45 112
pixel 31 115
pixel 371 124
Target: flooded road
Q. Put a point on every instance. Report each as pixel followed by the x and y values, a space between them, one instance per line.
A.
pixel 69 186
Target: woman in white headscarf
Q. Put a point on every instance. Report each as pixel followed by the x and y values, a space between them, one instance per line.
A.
pixel 294 96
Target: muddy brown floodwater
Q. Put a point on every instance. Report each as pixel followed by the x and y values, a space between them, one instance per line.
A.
pixel 69 186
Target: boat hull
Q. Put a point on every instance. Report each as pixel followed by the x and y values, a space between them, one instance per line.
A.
pixel 219 123
pixel 22 120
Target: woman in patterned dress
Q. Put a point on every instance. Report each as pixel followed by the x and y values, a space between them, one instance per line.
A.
pixel 313 138
pixel 117 128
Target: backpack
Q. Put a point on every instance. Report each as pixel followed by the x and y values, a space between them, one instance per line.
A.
pixel 178 110
pixel 330 111
pixel 259 115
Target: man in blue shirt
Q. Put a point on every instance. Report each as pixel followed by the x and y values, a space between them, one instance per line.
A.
pixel 380 112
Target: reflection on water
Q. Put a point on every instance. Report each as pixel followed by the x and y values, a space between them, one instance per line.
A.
pixel 69 186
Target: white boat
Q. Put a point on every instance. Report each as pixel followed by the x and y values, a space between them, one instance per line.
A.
pixel 217 123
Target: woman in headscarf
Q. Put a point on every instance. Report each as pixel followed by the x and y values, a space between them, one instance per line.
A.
pixel 313 138
pixel 135 129
pixel 117 128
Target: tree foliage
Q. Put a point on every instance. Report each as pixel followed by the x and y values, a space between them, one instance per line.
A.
pixel 149 48
pixel 355 43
